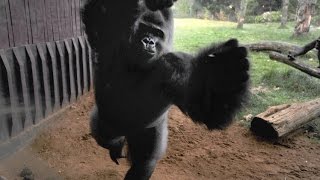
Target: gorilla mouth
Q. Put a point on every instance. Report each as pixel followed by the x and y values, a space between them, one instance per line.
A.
pixel 150 51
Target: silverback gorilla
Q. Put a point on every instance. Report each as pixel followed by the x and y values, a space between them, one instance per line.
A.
pixel 138 77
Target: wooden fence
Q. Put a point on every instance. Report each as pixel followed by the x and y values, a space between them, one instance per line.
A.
pixel 45 62
pixel 33 21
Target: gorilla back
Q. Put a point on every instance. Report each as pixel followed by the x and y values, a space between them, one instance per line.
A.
pixel 137 78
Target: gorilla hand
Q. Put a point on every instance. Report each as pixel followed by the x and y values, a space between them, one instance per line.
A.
pixel 291 56
pixel 218 84
pixel 154 5
pixel 229 66
pixel 317 46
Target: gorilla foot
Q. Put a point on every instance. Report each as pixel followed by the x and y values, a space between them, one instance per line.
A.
pixel 115 151
pixel 116 154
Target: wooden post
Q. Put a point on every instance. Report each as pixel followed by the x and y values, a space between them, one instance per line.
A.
pixel 279 121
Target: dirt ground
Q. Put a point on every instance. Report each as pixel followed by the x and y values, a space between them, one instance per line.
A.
pixel 193 152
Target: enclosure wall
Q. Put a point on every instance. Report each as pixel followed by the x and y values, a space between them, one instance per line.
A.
pixel 45 63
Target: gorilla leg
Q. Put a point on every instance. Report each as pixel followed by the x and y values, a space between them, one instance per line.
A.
pixel 105 138
pixel 146 149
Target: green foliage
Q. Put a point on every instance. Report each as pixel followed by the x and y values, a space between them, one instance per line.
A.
pixel 257 7
pixel 182 8
pixel 273 16
pixel 316 20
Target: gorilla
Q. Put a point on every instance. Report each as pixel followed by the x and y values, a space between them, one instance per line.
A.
pixel 306 48
pixel 138 77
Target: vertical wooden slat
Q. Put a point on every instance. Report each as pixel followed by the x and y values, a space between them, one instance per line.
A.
pixel 77 58
pixel 31 51
pixel 4 38
pixel 81 24
pixel 16 121
pixel 37 20
pixel 28 21
pixel 20 55
pixel 74 21
pixel 33 21
pixel 62 18
pixel 4 106
pixel 51 46
pixel 62 57
pixel 46 82
pixel 84 63
pixel 90 63
pixel 17 11
pixel 49 21
pixel 58 24
pixel 78 18
pixel 68 44
pixel 54 18
pixel 69 18
pixel 9 23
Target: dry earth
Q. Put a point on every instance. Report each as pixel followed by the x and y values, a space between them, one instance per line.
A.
pixel 193 152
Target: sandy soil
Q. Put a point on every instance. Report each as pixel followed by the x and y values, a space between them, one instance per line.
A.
pixel 193 152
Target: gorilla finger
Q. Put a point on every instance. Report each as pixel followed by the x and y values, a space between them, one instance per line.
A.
pixel 115 160
pixel 244 64
pixel 235 81
pixel 168 3
pixel 236 86
pixel 115 156
pixel 237 54
pixel 244 76
pixel 231 43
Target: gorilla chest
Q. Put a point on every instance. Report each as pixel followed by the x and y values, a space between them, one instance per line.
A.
pixel 132 99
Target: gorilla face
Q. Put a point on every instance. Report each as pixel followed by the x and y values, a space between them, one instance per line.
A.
pixel 149 38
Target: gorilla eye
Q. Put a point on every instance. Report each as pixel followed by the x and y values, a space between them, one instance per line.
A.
pixel 145 28
pixel 159 33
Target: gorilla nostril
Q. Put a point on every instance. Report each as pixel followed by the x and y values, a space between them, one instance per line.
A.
pixel 145 41
pixel 148 42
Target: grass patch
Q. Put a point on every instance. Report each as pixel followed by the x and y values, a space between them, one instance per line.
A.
pixel 273 83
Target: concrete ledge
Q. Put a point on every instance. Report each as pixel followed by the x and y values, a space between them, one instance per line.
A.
pixel 23 139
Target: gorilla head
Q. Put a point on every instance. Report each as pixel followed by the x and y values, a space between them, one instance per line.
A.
pixel 151 36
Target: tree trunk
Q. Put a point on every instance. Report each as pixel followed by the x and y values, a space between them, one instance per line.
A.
pixel 284 16
pixel 241 8
pixel 304 15
pixel 279 121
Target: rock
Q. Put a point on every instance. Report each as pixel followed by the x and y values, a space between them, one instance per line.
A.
pixel 27 174
pixel 3 178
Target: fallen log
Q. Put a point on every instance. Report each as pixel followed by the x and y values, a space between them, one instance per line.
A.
pixel 315 72
pixel 280 121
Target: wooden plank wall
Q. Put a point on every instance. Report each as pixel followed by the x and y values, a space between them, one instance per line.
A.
pixel 45 62
pixel 34 21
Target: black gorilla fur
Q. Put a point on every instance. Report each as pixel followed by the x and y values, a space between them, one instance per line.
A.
pixel 137 79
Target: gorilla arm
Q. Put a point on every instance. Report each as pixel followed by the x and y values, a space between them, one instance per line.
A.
pixel 303 50
pixel 209 87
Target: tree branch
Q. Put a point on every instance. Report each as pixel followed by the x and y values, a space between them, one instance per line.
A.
pixel 315 72
pixel 272 46
pixel 278 51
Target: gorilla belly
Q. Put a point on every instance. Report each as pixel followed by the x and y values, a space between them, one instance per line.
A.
pixel 135 106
